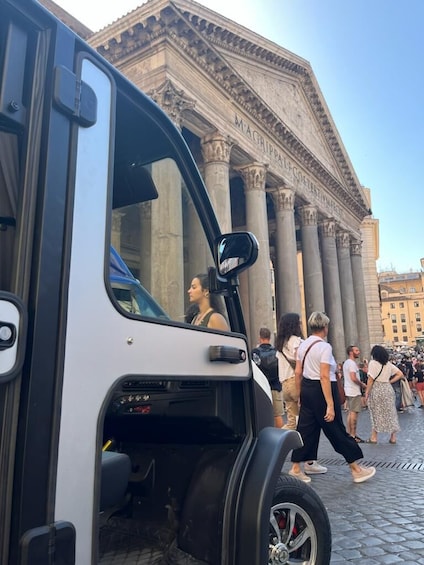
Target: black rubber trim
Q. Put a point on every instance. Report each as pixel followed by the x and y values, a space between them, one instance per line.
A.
pixel 257 491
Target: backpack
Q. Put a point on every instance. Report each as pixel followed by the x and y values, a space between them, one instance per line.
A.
pixel 267 361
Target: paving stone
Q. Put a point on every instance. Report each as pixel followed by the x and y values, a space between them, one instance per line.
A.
pixel 378 522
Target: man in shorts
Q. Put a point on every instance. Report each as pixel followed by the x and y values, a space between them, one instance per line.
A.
pixel 353 386
pixel 264 355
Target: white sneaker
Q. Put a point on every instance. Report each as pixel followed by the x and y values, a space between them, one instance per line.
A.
pixel 301 476
pixel 314 468
pixel 363 475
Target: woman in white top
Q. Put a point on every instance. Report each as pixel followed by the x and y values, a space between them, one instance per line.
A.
pixel 289 337
pixel 380 394
pixel 320 409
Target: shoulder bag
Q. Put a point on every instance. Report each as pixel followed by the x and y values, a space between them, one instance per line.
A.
pixel 291 362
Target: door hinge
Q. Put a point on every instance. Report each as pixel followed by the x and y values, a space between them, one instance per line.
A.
pixel 74 97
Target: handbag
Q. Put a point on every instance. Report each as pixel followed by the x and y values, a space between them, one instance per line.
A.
pixel 341 390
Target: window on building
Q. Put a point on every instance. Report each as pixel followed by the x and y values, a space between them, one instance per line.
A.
pixel 396 338
pixel 419 328
pixel 394 329
pixel 402 289
pixel 405 338
pixel 418 317
pixel 412 289
pixel 403 317
pixel 393 318
pixel 404 328
pixel 416 304
pixel 392 304
pixel 401 305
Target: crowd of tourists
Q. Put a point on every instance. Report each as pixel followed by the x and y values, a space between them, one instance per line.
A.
pixel 310 390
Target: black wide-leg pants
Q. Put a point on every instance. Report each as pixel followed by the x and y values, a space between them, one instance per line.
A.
pixel 313 408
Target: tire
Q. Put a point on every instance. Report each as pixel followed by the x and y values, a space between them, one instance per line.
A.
pixel 299 526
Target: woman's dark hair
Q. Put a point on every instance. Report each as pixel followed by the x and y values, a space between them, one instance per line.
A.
pixel 214 300
pixel 191 313
pixel 288 325
pixel 380 354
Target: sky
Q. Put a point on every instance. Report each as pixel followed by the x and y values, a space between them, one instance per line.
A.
pixel 367 58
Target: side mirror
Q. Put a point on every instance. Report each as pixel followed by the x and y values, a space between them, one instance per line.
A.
pixel 235 252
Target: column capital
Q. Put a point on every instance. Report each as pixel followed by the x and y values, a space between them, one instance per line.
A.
pixel 172 100
pixel 284 198
pixel 216 148
pixel 343 239
pixel 328 227
pixel 254 176
pixel 308 215
pixel 356 247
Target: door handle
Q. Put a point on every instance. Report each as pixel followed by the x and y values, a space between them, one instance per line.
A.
pixel 227 353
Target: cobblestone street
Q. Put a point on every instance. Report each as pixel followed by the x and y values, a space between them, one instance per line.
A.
pixel 382 520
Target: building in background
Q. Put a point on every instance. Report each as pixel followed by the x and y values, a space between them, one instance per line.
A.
pixel 271 158
pixel 402 308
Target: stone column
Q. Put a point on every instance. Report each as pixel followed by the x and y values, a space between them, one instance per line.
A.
pixel 216 156
pixel 287 276
pixel 312 268
pixel 145 209
pixel 360 298
pixel 167 277
pixel 167 240
pixel 259 275
pixel 332 293
pixel 346 287
pixel 115 236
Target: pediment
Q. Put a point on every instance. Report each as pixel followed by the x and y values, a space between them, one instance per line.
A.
pixel 285 96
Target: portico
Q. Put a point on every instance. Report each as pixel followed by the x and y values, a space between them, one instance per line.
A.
pixel 269 152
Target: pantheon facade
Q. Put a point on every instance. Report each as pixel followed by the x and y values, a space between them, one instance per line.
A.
pixel 271 158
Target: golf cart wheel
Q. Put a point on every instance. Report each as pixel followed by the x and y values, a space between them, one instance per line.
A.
pixel 299 525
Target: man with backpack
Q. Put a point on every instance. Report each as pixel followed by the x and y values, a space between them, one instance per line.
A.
pixel 264 355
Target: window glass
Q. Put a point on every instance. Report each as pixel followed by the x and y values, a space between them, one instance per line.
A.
pixel 158 243
pixel 162 243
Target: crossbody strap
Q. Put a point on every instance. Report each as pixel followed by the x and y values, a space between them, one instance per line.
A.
pixel 291 362
pixel 307 351
pixel 379 373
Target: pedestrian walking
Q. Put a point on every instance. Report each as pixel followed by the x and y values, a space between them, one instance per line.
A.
pixel 315 376
pixel 289 337
pixel 380 395
pixel 353 387
pixel 264 355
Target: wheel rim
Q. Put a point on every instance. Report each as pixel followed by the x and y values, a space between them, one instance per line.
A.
pixel 292 536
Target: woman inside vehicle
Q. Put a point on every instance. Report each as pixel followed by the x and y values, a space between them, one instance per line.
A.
pixel 204 306
pixel 320 408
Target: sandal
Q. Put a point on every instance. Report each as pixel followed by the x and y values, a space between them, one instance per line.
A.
pixel 371 441
pixel 358 439
pixel 392 441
